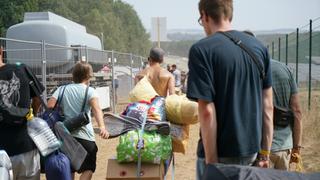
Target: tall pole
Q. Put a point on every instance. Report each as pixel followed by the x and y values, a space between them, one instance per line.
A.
pixel 102 41
pixel 158 31
pixel 87 53
pixel 297 54
pixel 272 50
pixel 310 58
pixel 286 49
pixel 44 69
pixel 141 66
pixel 113 84
pixel 131 71
pixel 279 50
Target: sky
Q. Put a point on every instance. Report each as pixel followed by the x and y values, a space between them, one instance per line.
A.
pixel 248 14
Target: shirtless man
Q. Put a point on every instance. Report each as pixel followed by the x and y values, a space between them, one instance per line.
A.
pixel 161 79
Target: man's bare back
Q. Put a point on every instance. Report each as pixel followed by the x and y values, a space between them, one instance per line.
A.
pixel 161 79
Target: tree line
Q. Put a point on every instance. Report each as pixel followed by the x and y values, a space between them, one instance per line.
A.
pixel 117 20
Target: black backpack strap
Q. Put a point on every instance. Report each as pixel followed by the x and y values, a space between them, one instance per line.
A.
pixel 34 86
pixel 238 42
pixel 31 83
pixel 85 99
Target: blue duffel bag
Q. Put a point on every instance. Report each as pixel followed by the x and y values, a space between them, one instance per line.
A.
pixel 57 166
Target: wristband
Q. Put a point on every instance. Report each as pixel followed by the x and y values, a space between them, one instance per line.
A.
pixel 264 152
pixel 297 147
pixel 263 158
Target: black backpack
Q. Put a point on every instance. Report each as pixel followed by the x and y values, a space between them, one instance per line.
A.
pixel 13 115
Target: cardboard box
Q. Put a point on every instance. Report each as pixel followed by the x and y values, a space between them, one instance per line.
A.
pixel 116 171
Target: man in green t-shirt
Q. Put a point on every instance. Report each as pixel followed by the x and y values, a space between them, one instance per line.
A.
pixel 286 139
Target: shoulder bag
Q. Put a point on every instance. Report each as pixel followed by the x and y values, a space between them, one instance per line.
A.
pixel 80 120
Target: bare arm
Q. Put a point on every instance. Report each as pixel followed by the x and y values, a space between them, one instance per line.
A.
pixel 208 127
pixel 36 102
pixel 297 126
pixel 267 129
pixel 267 132
pixel 138 77
pixel 98 115
pixel 171 85
pixel 52 101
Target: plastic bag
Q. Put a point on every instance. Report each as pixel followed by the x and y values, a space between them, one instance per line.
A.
pixel 5 166
pixel 137 110
pixel 156 148
pixel 143 90
pixel 296 166
pixel 157 110
pixel 180 110
pixel 180 136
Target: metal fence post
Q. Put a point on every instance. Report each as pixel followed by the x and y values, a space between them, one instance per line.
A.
pixel 131 71
pixel 113 85
pixel 287 49
pixel 141 63
pixel 279 49
pixel 297 55
pixel 44 69
pixel 272 55
pixel 310 58
pixel 86 51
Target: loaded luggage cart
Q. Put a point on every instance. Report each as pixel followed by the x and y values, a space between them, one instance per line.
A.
pixel 147 138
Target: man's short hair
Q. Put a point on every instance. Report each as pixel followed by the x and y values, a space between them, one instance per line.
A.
pixel 174 66
pixel 82 71
pixel 156 55
pixel 217 9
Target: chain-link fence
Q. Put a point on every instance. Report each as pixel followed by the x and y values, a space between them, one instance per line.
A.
pixel 113 71
pixel 301 51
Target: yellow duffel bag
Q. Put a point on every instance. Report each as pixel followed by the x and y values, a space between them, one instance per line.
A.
pixel 143 90
pixel 179 146
pixel 180 110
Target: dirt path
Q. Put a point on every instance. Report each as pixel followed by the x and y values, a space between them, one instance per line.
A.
pixel 185 164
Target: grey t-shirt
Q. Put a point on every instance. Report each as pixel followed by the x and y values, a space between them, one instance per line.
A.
pixel 284 86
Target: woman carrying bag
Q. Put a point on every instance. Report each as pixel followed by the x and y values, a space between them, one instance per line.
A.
pixel 78 99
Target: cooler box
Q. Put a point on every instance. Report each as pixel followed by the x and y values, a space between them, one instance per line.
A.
pixel 116 171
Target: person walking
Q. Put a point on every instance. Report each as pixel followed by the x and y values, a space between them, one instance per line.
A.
pixel 233 91
pixel 16 95
pixel 71 103
pixel 177 78
pixel 288 126
pixel 161 79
